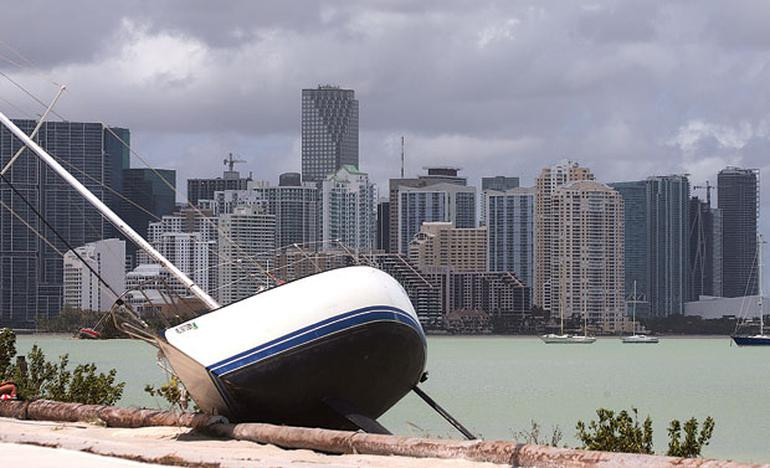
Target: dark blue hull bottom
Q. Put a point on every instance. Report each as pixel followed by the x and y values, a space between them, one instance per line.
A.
pixel 751 340
pixel 367 368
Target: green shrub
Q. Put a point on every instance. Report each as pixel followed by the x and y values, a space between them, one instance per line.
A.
pixel 617 432
pixel 37 378
pixel 622 433
pixel 693 441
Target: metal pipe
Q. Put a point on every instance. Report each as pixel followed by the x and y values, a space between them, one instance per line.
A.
pixel 121 225
pixel 444 414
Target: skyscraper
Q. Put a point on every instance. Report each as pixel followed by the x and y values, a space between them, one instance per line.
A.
pixel 439 195
pixel 203 189
pixel 382 238
pixel 705 255
pixel 329 131
pixel 347 211
pixel 31 272
pixel 589 252
pixel 510 230
pixel 637 248
pixel 738 200
pixel 294 205
pixel 148 188
pixel 668 199
pixel 498 183
pixel 547 227
pixel 246 248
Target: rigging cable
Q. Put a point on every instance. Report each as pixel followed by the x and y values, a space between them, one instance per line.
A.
pixel 60 237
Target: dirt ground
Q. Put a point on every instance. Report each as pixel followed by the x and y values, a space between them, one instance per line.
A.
pixel 30 443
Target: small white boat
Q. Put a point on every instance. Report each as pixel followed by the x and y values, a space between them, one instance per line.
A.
pixel 760 339
pixel 564 338
pixel 553 338
pixel 639 339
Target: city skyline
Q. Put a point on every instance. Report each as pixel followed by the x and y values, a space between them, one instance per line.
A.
pixel 524 82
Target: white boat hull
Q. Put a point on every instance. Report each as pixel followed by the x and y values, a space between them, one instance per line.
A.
pixel 567 339
pixel 346 338
pixel 640 339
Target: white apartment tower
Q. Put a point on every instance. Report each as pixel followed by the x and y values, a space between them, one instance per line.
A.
pixel 547 227
pixel 347 210
pixel 588 255
pixel 246 249
pixel 82 289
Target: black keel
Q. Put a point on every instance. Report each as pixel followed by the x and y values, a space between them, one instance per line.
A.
pixel 363 422
pixel 432 403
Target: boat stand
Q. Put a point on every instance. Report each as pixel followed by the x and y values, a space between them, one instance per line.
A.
pixel 454 422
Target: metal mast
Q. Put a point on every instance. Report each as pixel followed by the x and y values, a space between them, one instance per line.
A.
pixel 109 214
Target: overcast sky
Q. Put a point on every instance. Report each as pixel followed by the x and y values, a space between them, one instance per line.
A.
pixel 629 89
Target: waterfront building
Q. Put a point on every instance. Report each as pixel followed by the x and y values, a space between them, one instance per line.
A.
pixel 741 307
pixel 439 246
pixel 433 176
pixel 738 201
pixel 382 238
pixel 496 183
pixel 588 254
pixel 705 256
pixel 482 301
pixel 31 272
pixel 668 236
pixel 424 290
pixel 82 288
pixel 547 227
pixel 329 131
pixel 203 189
pixel 510 226
pixel 347 210
pixel 245 253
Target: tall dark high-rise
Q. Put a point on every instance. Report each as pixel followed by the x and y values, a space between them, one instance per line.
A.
pixel 203 189
pixel 705 250
pixel 668 203
pixel 636 245
pixel 738 196
pixel 31 276
pixel 145 188
pixel 657 242
pixel 329 131
pixel 382 240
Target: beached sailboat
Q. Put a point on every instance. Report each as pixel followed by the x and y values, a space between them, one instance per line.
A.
pixel 637 338
pixel 760 339
pixel 334 350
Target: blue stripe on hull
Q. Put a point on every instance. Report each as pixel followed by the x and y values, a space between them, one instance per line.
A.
pixel 751 341
pixel 313 332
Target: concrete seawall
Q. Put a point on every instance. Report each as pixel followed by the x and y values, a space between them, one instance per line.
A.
pixel 175 430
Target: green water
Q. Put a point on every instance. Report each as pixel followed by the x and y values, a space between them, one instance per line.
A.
pixel 497 385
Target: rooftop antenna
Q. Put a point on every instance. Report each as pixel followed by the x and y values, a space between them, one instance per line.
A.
pixel 402 156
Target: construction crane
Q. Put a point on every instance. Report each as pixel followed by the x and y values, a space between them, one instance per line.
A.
pixel 708 187
pixel 230 162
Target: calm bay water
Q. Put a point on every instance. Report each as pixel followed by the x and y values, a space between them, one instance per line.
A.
pixel 497 385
